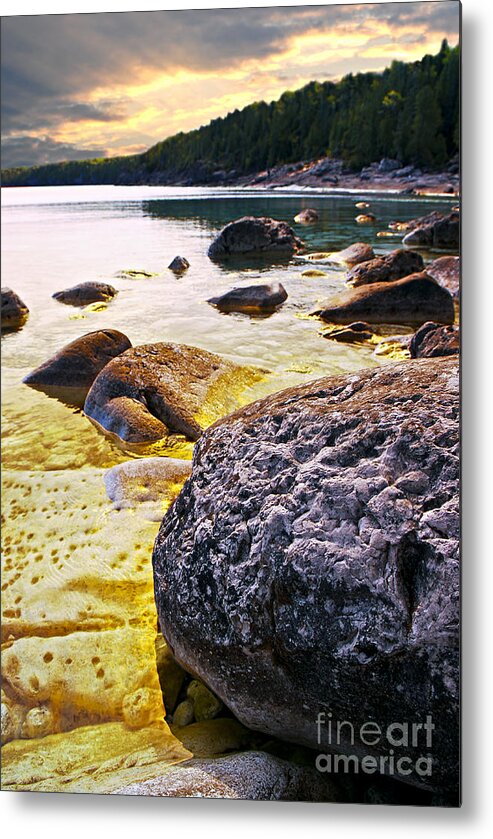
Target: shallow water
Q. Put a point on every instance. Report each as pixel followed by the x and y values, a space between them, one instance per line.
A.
pixel 54 237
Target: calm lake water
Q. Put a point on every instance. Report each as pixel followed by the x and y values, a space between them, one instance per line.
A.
pixel 54 237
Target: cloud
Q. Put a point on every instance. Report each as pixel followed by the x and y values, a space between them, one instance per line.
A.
pixel 35 151
pixel 88 79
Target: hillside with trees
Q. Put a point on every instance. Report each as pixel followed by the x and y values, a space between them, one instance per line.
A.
pixel 409 112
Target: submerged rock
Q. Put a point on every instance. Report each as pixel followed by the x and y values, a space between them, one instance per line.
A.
pixel 14 311
pixel 412 300
pixel 251 299
pixel 149 484
pixel 433 340
pixel 443 232
pixel 394 266
pixel 179 265
pixel 366 218
pixel 85 293
pixel 255 236
pixel 308 216
pixel 153 390
pixel 446 271
pixel 69 374
pixel 135 274
pixel 310 564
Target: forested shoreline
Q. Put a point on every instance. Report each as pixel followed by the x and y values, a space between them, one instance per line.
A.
pixel 410 112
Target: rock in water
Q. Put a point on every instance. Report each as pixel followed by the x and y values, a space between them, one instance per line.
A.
pixel 366 218
pixel 396 265
pixel 14 311
pixel 308 216
pixel 156 389
pixel 446 271
pixel 146 484
pixel 443 232
pixel 251 299
pixel 69 374
pixel 85 293
pixel 255 236
pixel 310 564
pixel 432 340
pixel 179 265
pixel 412 300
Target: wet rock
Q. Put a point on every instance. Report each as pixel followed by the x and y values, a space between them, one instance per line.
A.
pixel 366 218
pixel 311 561
pixel 442 233
pixel 251 299
pixel 149 484
pixel 394 266
pixel 135 274
pixel 14 311
pixel 254 236
pixel 85 293
pixel 412 300
pixel 353 255
pixel 179 265
pixel 446 271
pixel 314 272
pixel 308 216
pixel 69 374
pixel 433 340
pixel 253 776
pixel 156 389
pixel 362 205
pixel 354 333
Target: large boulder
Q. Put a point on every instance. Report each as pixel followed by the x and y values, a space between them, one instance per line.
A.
pixel 14 311
pixel 69 374
pixel 412 301
pixel 254 236
pixel 309 566
pixel 251 299
pixel 153 390
pixel 446 271
pixel 84 293
pixel 383 269
pixel 444 232
pixel 432 340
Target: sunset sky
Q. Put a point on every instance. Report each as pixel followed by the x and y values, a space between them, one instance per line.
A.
pixel 93 85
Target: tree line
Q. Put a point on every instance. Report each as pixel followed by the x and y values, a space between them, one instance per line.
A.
pixel 409 112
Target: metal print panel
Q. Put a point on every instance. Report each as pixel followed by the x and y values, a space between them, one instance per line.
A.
pixel 230 355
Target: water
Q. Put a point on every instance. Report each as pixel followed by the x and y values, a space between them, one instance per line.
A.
pixel 54 237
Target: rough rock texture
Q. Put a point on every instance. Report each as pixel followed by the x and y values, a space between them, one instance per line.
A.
pixel 14 311
pixel 394 266
pixel 446 271
pixel 85 293
pixel 179 265
pixel 255 776
pixel 412 300
pixel 148 484
pixel 251 299
pixel 308 216
pixel 432 340
pixel 353 255
pixel 311 561
pixel 443 232
pixel 254 235
pixel 156 389
pixel 70 373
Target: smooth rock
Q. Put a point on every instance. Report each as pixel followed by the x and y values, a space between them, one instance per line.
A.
pixel 252 776
pixel 362 205
pixel 85 293
pixel 148 484
pixel 446 271
pixel 153 390
pixel 353 255
pixel 412 300
pixel 14 312
pixel 294 576
pixel 432 340
pixel 314 272
pixel 184 713
pixel 394 266
pixel 69 374
pixel 354 333
pixel 206 705
pixel 254 235
pixel 179 265
pixel 308 216
pixel 251 299
pixel 442 233
pixel 366 218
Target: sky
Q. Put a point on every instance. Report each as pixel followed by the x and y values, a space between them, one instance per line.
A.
pixel 78 86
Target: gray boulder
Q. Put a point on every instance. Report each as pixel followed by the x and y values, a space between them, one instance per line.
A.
pixel 156 389
pixel 85 293
pixel 432 340
pixel 410 301
pixel 383 269
pixel 387 164
pixel 250 235
pixel 14 311
pixel 444 232
pixel 446 271
pixel 69 374
pixel 251 299
pixel 310 565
